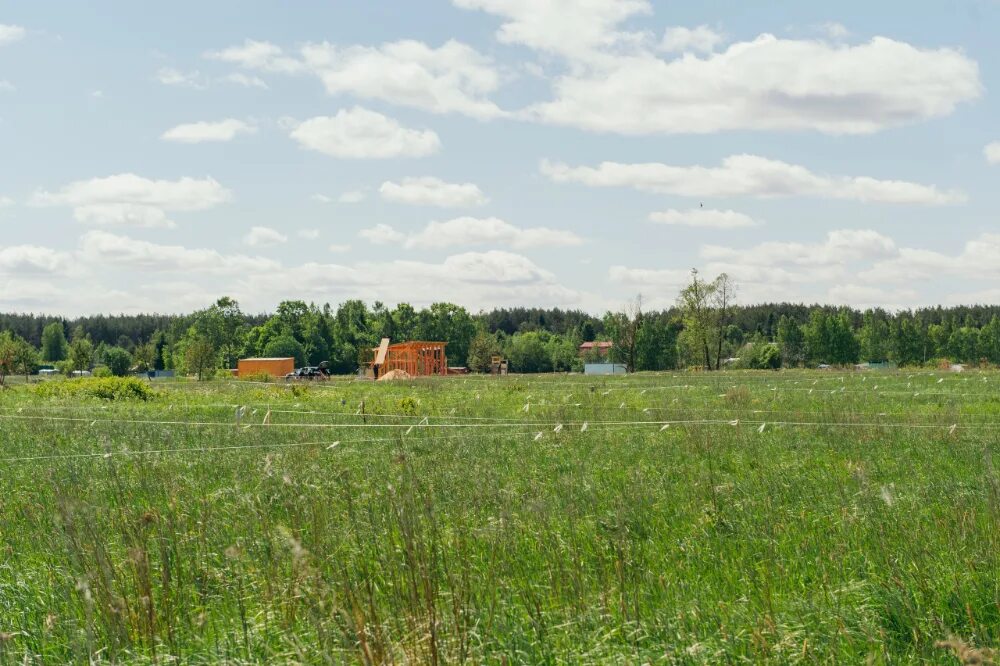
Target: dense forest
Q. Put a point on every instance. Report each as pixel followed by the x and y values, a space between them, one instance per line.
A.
pixel 705 329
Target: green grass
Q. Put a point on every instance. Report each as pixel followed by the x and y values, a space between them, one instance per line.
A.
pixel 440 527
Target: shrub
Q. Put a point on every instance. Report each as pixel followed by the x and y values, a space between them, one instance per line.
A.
pixel 103 371
pixel 103 388
pixel 407 406
pixel 258 377
pixel 118 360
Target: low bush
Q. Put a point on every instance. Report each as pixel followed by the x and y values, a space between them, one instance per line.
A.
pixel 103 388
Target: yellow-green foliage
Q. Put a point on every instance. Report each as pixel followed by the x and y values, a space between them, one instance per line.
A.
pixel 104 388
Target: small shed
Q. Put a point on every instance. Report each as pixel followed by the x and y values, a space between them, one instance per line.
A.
pixel 600 347
pixel 604 369
pixel 276 367
pixel 418 358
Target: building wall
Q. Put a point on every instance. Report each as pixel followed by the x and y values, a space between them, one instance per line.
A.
pixel 276 367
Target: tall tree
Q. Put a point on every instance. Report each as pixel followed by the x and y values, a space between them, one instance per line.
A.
pixel 722 300
pixel 695 303
pixel 623 328
pixel 81 351
pixel 54 346
pixel 791 342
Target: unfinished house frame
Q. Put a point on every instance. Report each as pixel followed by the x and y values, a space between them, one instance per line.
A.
pixel 417 358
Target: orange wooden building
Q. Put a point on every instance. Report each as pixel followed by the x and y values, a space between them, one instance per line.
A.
pixel 276 367
pixel 417 358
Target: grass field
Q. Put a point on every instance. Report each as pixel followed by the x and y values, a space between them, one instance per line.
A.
pixel 792 517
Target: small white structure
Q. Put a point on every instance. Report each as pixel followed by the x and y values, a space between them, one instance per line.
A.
pixel 604 369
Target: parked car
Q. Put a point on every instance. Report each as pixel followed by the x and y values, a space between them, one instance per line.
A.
pixel 307 373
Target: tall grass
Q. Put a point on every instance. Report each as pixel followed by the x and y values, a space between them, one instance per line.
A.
pixel 191 536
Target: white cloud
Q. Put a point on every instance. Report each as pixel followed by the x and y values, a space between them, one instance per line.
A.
pixel 6 202
pixel 258 55
pixel 11 33
pixel 351 197
pixel 199 132
pixel 834 30
pixel 130 200
pixel 660 279
pixel 768 83
pixel 573 28
pixel 749 175
pixel 264 237
pixel 701 39
pixel 840 246
pixel 338 248
pixel 6 86
pixel 863 295
pixel 992 152
pixel 123 214
pixel 451 78
pixel 489 231
pixel 184 194
pixel 430 191
pixel 22 259
pixel 104 249
pixel 975 263
pixel 382 234
pixel 308 234
pixel 706 218
pixel 245 80
pixel 170 76
pixel 32 293
pixel 362 134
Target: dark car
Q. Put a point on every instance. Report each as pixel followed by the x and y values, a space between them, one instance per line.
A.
pixel 308 373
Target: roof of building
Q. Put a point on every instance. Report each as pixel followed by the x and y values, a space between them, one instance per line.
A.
pixel 272 358
pixel 599 344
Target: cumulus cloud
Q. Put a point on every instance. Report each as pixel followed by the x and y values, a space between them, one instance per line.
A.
pixel 338 248
pixel 184 194
pixel 308 234
pixel 382 234
pixel 123 214
pixel 351 197
pixel 451 78
pixel 489 231
pixel 11 33
pixel 254 54
pixel 200 132
pixel 768 83
pixel 701 39
pixel 130 200
pixel 992 152
pixel 32 259
pixel 170 76
pixel 749 175
pixel 264 237
pixel 321 198
pixel 358 133
pixel 430 191
pixel 565 27
pixel 245 80
pixel 105 249
pixel 840 246
pixel 6 86
pixel 664 278
pixel 976 262
pixel 6 202
pixel 706 218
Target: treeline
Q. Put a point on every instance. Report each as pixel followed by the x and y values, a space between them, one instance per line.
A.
pixel 705 329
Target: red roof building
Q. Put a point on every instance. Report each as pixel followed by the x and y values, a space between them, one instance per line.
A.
pixel 602 347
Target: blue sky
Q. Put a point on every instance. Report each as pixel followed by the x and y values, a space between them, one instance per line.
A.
pixel 496 152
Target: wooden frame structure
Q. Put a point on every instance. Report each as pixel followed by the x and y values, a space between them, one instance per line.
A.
pixel 417 358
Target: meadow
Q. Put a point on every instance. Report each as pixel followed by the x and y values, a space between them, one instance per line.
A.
pixel 691 518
